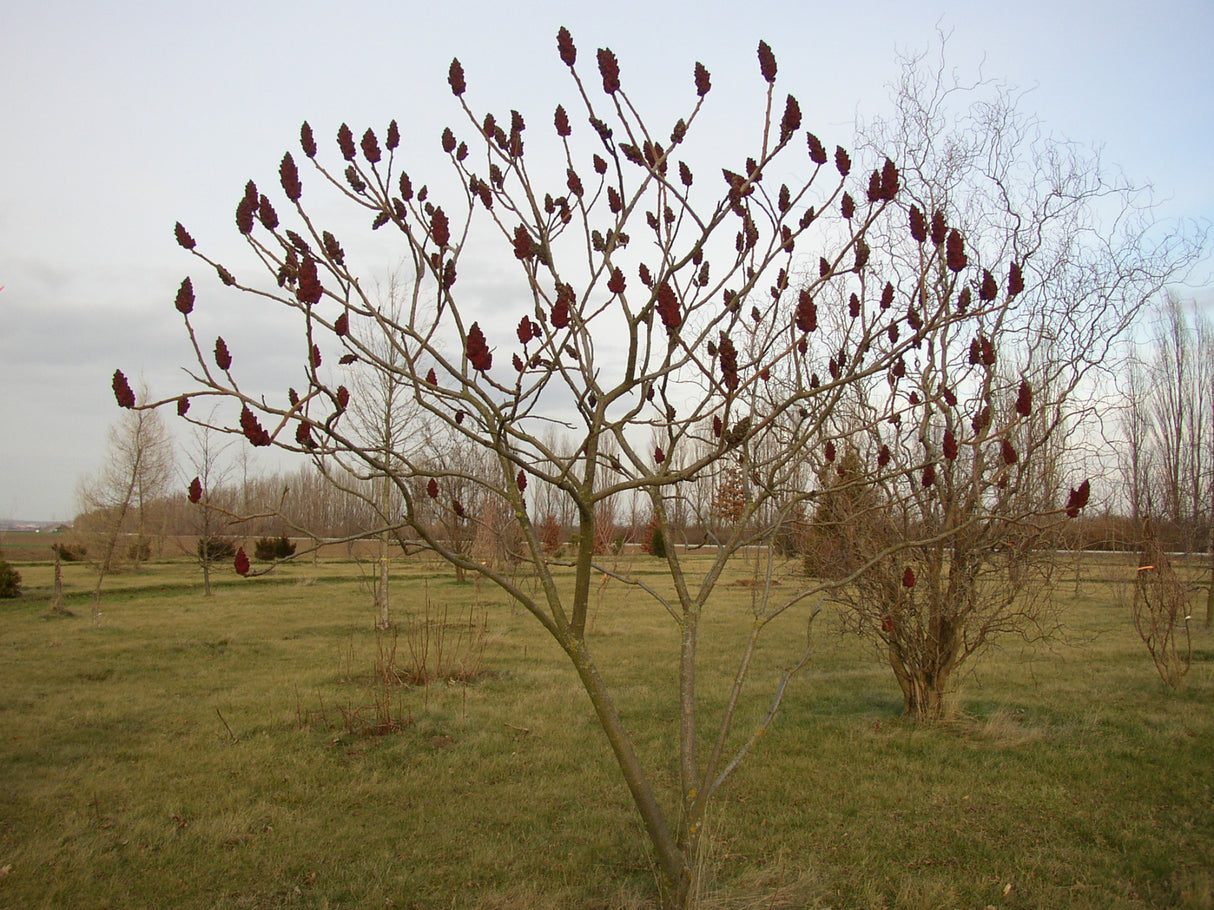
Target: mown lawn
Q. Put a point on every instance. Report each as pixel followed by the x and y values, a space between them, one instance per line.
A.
pixel 237 752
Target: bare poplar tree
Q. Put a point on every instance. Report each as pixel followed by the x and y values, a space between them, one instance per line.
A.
pixel 114 502
pixel 211 503
pixel 652 315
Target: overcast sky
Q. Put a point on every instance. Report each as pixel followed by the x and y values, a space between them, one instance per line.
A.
pixel 118 119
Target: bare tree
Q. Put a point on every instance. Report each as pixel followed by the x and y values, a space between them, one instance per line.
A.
pixel 113 503
pixel 977 466
pixel 1170 433
pixel 1160 608
pixel 212 503
pixel 653 319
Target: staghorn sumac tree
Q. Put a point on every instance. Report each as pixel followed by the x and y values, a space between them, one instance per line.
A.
pixel 651 316
pixel 981 464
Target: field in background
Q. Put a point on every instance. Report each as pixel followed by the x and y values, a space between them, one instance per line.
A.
pixel 249 750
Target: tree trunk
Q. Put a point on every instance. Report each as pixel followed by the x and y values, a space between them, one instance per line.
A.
pixel 383 620
pixel 673 865
pixel 1210 588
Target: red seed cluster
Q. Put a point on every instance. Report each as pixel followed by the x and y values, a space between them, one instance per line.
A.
pixel 185 298
pixel 807 312
pixel 918 225
pixel 345 142
pixel 561 309
pixel 817 151
pixel 767 62
pixel 241 562
pixel 1015 280
pixel 703 81
pixel 908 578
pixel 791 121
pixel 729 362
pixel 122 390
pixel 842 161
pixel 1024 399
pixel 440 230
pixel 195 492
pixel 668 307
pixel 564 44
pixel 477 349
pixel 308 288
pixel 455 77
pixel 954 255
pixel 223 357
pixel 252 428
pixel 184 240
pixel 988 290
pixel 307 141
pixel 1078 499
pixel 609 69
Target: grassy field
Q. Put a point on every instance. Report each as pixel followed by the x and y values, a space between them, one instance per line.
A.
pixel 242 751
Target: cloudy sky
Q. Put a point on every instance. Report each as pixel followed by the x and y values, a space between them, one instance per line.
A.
pixel 118 119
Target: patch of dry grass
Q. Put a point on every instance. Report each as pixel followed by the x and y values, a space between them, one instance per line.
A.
pixel 176 757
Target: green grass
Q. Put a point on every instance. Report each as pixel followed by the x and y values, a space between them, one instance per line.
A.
pixel 1075 779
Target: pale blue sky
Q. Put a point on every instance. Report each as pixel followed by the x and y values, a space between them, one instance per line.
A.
pixel 117 120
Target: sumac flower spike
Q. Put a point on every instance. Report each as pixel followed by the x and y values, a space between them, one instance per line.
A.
pixel 767 62
pixel 183 405
pixel 194 494
pixel 266 214
pixel 1078 499
pixel 223 358
pixel 988 290
pixel 185 297
pixel 939 228
pixel 1015 280
pixel 791 121
pixel 455 77
pixel 521 481
pixel 184 240
pixel 345 142
pixel 955 256
pixel 307 141
pixel 122 390
pixel 564 44
pixel 703 80
pixel 842 161
pixel 949 445
pixel 252 429
pixel 609 69
pixel 889 180
pixel 288 176
pixel 477 349
pixel 817 151
pixel 908 578
pixel 918 225
pixel 1024 399
pixel 241 562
